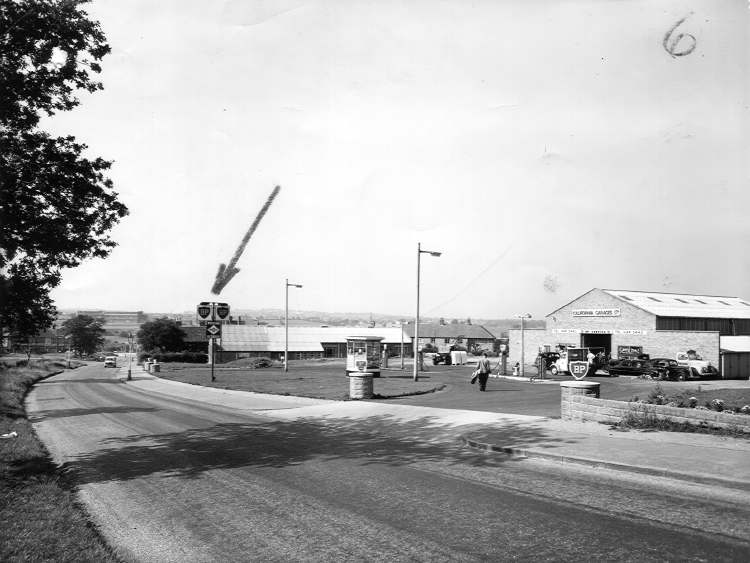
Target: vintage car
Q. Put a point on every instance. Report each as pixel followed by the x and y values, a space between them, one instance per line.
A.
pixel 693 366
pixel 637 368
pixel 110 361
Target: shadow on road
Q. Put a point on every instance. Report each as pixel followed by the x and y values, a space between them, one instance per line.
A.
pixel 63 413
pixel 380 439
pixel 72 381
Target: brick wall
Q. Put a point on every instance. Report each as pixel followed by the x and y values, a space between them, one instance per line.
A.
pixel 630 318
pixel 666 343
pixel 584 408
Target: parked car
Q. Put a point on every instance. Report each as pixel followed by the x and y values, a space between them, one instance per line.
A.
pixel 110 361
pixel 637 368
pixel 676 371
pixel 695 366
pixel 549 359
pixel 442 358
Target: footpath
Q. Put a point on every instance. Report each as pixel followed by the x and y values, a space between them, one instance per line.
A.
pixel 696 458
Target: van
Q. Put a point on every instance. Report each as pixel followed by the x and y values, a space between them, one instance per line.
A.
pixel 110 361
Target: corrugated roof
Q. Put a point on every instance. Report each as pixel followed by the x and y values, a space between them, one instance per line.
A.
pixel 436 330
pixel 685 305
pixel 244 338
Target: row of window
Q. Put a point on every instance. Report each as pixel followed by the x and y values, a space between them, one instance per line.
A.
pixel 725 327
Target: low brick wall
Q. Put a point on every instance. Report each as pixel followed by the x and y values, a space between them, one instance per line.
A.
pixel 587 408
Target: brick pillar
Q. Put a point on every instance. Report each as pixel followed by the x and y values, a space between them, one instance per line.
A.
pixel 360 385
pixel 569 389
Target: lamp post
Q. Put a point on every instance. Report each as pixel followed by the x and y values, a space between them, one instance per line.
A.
pixel 523 318
pixel 130 355
pixel 401 324
pixel 416 322
pixel 286 324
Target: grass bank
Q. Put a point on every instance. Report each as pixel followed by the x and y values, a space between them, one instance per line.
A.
pixel 40 519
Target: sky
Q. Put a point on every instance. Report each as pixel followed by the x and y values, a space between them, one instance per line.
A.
pixel 543 147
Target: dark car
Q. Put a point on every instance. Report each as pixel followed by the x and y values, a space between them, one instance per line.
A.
pixel 679 372
pixel 442 358
pixel 637 368
pixel 549 359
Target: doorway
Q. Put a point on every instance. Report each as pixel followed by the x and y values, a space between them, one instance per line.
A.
pixel 597 341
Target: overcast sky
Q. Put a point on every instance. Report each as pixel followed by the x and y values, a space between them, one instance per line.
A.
pixel 544 147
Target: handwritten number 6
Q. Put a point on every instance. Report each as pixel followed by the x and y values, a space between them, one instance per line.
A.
pixel 670 43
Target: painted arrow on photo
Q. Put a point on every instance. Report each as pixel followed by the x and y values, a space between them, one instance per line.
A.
pixel 228 271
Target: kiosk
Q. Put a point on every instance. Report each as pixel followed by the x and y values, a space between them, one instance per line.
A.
pixel 363 354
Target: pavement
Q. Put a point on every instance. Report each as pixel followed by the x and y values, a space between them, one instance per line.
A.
pixel 696 458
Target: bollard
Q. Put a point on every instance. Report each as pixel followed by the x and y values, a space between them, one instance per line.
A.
pixel 360 385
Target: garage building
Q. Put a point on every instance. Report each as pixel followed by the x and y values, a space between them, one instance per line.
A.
pixel 658 324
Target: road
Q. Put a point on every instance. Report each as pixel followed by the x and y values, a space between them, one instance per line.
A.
pixel 172 480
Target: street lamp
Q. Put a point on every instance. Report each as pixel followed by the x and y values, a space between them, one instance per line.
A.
pixel 523 318
pixel 286 324
pixel 416 323
pixel 130 355
pixel 401 326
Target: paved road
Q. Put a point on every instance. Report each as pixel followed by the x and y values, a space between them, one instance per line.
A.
pixel 173 480
pixel 505 395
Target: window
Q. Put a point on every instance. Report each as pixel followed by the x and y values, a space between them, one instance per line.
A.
pixel 654 299
pixel 680 300
pixel 446 340
pixel 699 301
pixel 723 302
pixel 432 341
pixel 626 297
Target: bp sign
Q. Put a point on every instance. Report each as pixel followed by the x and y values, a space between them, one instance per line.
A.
pixel 578 369
pixel 222 310
pixel 204 310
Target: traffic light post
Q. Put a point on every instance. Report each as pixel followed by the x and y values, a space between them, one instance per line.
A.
pixel 213 314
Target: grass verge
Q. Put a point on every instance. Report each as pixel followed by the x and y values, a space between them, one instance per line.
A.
pixel 319 380
pixel 40 519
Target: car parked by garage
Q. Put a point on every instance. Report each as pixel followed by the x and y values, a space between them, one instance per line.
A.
pixel 636 368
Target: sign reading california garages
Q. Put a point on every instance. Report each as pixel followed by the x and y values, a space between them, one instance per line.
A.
pixel 596 312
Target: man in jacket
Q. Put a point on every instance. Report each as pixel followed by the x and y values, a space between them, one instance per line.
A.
pixel 484 368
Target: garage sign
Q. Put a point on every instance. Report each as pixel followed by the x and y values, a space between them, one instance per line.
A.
pixel 601 312
pixel 578 369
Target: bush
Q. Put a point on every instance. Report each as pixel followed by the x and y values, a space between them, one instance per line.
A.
pixel 182 357
pixel 252 363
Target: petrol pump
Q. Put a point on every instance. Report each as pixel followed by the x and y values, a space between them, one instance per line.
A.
pixel 363 354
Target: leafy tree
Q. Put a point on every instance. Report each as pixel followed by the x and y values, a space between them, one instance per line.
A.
pixel 86 333
pixel 162 334
pixel 56 206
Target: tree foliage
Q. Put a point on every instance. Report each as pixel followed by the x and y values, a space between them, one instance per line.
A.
pixel 86 333
pixel 161 335
pixel 56 205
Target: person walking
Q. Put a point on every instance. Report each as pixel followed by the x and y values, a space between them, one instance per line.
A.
pixel 484 368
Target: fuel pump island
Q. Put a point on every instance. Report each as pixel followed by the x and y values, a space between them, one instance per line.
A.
pixel 363 355
pixel 362 364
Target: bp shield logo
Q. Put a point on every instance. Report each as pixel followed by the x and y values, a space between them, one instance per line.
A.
pixel 204 310
pixel 222 310
pixel 578 369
